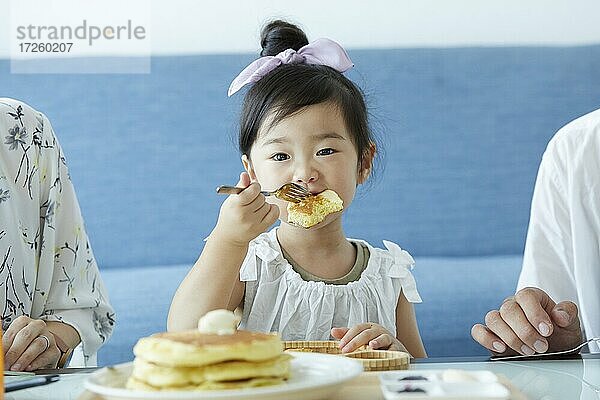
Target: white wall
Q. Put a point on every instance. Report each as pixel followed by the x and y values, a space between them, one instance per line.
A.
pixel 191 26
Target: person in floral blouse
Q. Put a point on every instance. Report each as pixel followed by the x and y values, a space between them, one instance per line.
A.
pixel 54 304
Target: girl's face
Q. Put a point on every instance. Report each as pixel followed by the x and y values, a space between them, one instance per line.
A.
pixel 312 148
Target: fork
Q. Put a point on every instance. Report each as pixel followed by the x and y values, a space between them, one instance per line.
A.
pixel 553 353
pixel 291 192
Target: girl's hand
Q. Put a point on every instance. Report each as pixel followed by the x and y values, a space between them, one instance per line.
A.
pixel 246 215
pixel 373 335
pixel 26 349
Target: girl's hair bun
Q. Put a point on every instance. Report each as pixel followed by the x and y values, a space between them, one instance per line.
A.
pixel 279 35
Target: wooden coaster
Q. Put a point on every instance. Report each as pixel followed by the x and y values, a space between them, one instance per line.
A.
pixel 315 346
pixel 372 360
pixel 381 360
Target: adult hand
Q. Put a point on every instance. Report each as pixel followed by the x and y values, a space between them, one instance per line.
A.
pixel 246 215
pixel 29 345
pixel 373 335
pixel 530 322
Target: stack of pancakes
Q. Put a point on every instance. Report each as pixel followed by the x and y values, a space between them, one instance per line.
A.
pixel 192 360
pixel 314 209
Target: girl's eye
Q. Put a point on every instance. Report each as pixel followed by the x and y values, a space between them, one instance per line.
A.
pixel 325 152
pixel 279 157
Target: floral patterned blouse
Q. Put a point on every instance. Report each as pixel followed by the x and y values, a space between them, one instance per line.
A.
pixel 47 268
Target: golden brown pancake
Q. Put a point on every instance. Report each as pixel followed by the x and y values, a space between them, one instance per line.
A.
pixel 192 360
pixel 314 209
pixel 193 349
pixel 159 375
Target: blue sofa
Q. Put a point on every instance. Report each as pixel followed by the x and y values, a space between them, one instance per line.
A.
pixel 463 131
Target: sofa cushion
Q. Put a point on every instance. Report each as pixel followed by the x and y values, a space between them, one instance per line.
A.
pixel 141 298
pixel 457 293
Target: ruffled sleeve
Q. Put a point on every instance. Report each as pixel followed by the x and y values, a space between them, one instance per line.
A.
pixel 400 269
pixel 248 270
pixel 256 252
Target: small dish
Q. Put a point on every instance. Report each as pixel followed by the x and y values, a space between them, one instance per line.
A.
pixel 442 384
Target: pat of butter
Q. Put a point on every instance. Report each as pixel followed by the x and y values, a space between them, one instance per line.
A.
pixel 219 322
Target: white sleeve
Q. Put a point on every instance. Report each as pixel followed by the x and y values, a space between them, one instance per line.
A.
pixel 400 269
pixel 548 257
pixel 77 295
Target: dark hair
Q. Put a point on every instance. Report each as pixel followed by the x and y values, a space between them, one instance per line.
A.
pixel 291 87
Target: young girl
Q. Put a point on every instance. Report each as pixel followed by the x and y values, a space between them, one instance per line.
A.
pixel 304 122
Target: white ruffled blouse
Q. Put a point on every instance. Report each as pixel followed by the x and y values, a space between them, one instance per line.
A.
pixel 277 299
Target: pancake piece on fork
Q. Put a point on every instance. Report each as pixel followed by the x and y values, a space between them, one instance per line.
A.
pixel 314 209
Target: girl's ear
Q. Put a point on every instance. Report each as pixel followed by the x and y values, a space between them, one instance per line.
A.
pixel 366 165
pixel 248 167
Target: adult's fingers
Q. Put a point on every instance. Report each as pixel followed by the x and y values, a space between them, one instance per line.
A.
pixel 512 313
pixel 566 315
pixel 15 327
pixel 23 340
pixel 536 305
pixel 36 349
pixel 496 323
pixel 485 337
pixel 530 340
pixel 568 332
pixel 48 359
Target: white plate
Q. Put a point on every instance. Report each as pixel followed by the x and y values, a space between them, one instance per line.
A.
pixel 313 376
